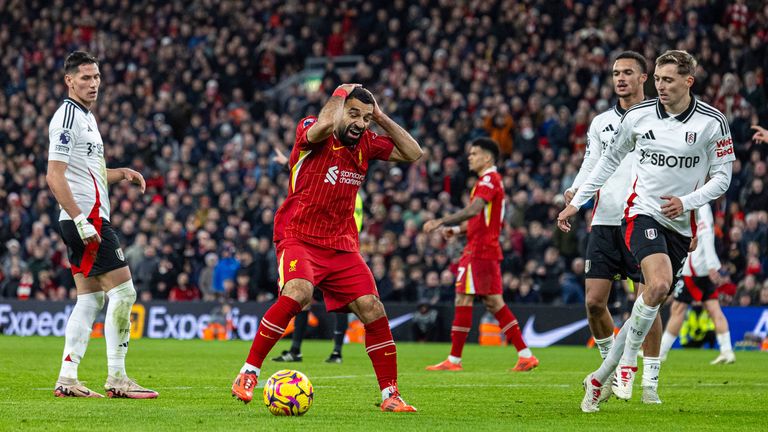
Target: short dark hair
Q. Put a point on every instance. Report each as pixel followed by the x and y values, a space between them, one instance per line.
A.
pixel 77 58
pixel 636 56
pixel 362 95
pixel 488 145
pixel 686 64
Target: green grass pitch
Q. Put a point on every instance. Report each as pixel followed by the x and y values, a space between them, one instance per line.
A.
pixel 193 378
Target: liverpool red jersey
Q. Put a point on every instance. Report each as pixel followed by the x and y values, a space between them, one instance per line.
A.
pixel 483 229
pixel 325 177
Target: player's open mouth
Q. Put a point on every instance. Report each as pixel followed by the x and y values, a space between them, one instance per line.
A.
pixel 622 86
pixel 354 133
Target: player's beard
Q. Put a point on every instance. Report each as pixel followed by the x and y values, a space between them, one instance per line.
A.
pixel 347 139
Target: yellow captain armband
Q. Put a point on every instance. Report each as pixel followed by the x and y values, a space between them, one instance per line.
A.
pixel 359 212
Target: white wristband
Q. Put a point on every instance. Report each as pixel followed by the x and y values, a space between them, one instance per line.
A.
pixel 79 218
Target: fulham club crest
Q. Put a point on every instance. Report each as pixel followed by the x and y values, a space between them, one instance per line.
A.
pixel 690 138
pixel 651 233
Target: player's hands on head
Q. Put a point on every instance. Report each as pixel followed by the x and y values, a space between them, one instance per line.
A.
pixel 86 230
pixel 432 225
pixel 377 112
pixel 673 207
pixel 563 219
pixel 136 178
pixel 761 134
pixel 349 87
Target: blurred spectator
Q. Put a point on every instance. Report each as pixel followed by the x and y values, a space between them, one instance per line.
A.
pixel 549 274
pixel 425 322
pixel 183 290
pixel 206 276
pixel 573 283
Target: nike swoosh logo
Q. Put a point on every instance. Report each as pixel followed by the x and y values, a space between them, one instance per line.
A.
pixel 390 353
pixel 266 336
pixel 540 340
pixel 337 148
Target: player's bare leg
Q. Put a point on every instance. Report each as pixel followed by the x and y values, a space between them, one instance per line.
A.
pixel 598 315
pixel 462 324
pixel 657 272
pixel 90 300
pixel 117 334
pixel 494 304
pixel 382 351
pixel 294 296
pixel 722 332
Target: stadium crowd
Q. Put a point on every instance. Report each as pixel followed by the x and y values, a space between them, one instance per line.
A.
pixel 187 100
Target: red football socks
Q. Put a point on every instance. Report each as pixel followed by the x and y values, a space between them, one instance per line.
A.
pixel 462 323
pixel 508 323
pixel 271 328
pixel 381 349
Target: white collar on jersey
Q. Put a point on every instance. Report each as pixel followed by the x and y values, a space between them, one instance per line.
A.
pixel 489 170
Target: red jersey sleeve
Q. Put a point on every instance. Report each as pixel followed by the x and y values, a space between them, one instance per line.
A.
pixel 486 188
pixel 301 132
pixel 381 147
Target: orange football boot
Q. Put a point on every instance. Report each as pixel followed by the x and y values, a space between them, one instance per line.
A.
pixel 525 364
pixel 243 386
pixel 445 365
pixel 394 403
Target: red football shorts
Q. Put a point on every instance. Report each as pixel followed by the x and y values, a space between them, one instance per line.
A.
pixel 478 276
pixel 341 276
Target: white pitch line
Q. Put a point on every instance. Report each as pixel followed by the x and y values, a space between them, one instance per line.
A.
pixel 511 385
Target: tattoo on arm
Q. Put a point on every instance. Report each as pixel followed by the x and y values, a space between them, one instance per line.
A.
pixel 475 207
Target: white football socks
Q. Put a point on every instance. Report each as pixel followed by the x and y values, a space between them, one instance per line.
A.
pixel 117 326
pixel 387 392
pixel 78 331
pixel 604 345
pixel 639 323
pixel 525 353
pixel 724 340
pixel 651 368
pixel 614 355
pixel 247 367
pixel 667 340
pixel 455 360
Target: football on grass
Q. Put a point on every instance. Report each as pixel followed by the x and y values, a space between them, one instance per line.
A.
pixel 288 393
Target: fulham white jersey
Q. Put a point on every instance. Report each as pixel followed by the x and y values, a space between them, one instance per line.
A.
pixel 609 199
pixel 704 258
pixel 74 138
pixel 674 155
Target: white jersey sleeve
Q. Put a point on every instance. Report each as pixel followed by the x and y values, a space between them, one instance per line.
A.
pixel 591 155
pixel 721 157
pixel 622 143
pixel 74 139
pixel 61 134
pixel 610 200
pixel 704 258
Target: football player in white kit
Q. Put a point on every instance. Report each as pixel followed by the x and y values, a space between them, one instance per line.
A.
pixel 607 257
pixel 699 283
pixel 680 142
pixel 79 179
